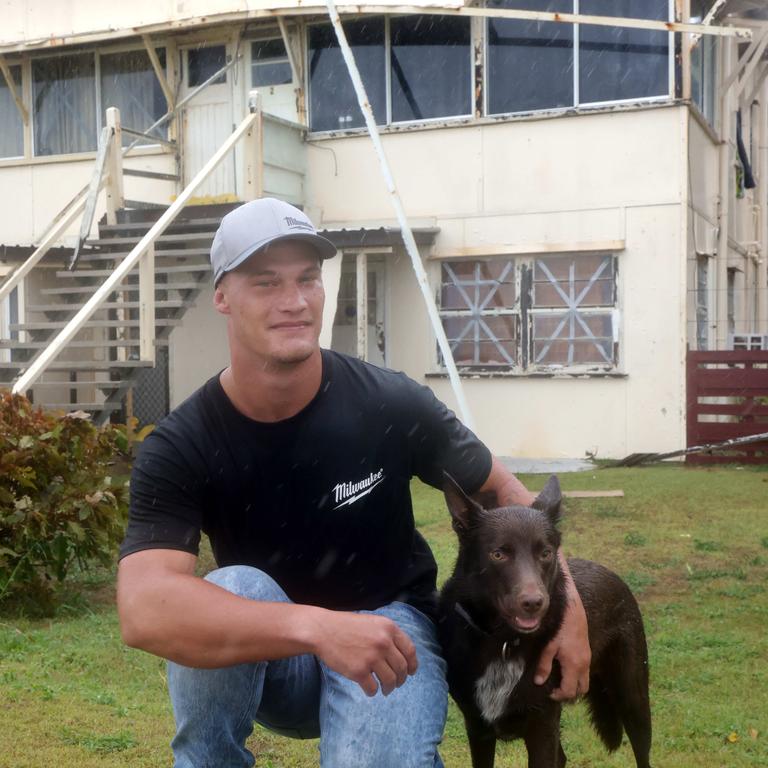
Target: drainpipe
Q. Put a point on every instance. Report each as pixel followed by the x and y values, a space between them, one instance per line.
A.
pixel 762 201
pixel 726 169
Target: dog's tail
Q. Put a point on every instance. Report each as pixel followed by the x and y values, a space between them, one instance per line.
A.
pixel 605 714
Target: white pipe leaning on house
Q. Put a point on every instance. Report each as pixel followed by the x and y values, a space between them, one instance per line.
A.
pixel 762 165
pixel 108 286
pixel 405 228
pixel 726 168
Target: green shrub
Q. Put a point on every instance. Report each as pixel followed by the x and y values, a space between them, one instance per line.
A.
pixel 59 505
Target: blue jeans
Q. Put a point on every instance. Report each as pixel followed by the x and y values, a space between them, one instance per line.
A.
pixel 300 696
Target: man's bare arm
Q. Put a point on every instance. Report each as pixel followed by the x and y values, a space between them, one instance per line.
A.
pixel 571 644
pixel 167 610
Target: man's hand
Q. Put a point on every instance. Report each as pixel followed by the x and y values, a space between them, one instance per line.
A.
pixel 370 650
pixel 570 647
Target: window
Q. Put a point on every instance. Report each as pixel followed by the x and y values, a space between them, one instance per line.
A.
pixel 572 306
pixel 332 101
pixel 617 63
pixel 549 312
pixel 64 96
pixel 481 312
pixel 11 124
pixel 535 65
pixel 530 63
pixel 129 83
pixel 430 67
pixel 269 63
pixel 731 299
pixel 204 62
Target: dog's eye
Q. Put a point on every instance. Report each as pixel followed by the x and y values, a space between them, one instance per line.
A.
pixel 546 554
pixel 498 555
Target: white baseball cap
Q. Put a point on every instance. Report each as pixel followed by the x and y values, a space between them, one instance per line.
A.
pixel 254 225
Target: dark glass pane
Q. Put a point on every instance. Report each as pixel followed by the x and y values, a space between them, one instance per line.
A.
pixel 332 101
pixel 271 74
pixel 269 63
pixel 64 96
pixel 617 63
pixel 204 62
pixel 274 48
pixel 431 63
pixel 129 83
pixel 11 125
pixel 530 63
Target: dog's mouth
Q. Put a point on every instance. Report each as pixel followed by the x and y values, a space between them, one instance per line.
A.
pixel 525 624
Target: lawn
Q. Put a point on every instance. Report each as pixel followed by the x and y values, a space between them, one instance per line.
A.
pixel 692 544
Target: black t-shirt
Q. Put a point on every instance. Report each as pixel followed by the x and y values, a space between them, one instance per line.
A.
pixel 320 501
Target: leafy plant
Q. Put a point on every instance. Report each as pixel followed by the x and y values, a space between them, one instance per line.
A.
pixel 59 505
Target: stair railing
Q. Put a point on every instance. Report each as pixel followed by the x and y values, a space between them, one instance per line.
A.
pixel 143 255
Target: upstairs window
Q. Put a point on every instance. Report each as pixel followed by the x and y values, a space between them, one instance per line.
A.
pixel 535 65
pixel 128 82
pixel 11 124
pixel 269 63
pixel 430 67
pixel 530 63
pixel 549 313
pixel 64 97
pixel 616 63
pixel 332 100
pixel 71 94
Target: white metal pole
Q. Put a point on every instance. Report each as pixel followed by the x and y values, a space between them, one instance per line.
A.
pixel 405 228
pixel 725 171
pixel 361 268
pixel 108 286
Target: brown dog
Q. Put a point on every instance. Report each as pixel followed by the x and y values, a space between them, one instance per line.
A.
pixel 504 602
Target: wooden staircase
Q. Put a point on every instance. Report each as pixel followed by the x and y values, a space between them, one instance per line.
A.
pixel 101 363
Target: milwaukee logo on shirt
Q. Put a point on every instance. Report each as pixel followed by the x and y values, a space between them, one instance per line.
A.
pixel 349 493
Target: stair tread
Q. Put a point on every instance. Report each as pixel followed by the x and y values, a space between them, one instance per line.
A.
pixel 178 253
pixel 81 406
pixel 53 324
pixel 88 289
pixel 133 226
pixel 77 344
pixel 182 237
pixel 81 365
pixel 74 306
pixel 81 384
pixel 202 267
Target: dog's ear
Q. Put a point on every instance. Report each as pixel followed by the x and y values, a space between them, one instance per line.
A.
pixel 550 499
pixel 464 510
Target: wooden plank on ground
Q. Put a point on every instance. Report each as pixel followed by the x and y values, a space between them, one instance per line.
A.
pixel 594 494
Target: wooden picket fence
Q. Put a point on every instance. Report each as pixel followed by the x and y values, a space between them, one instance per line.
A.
pixel 727 397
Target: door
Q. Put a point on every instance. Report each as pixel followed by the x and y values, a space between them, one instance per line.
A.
pixel 345 324
pixel 208 119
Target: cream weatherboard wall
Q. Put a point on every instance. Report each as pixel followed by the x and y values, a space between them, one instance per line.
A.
pixel 592 178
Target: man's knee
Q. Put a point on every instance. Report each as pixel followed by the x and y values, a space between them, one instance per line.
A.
pixel 249 582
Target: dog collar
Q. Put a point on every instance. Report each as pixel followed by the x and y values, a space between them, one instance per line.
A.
pixel 462 611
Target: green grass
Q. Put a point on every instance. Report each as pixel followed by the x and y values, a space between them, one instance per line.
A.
pixel 691 544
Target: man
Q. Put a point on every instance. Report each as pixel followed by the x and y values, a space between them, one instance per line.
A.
pixel 296 462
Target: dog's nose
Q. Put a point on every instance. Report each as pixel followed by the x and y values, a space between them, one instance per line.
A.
pixel 532 603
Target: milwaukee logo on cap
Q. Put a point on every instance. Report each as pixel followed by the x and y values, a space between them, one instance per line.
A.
pixel 291 222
